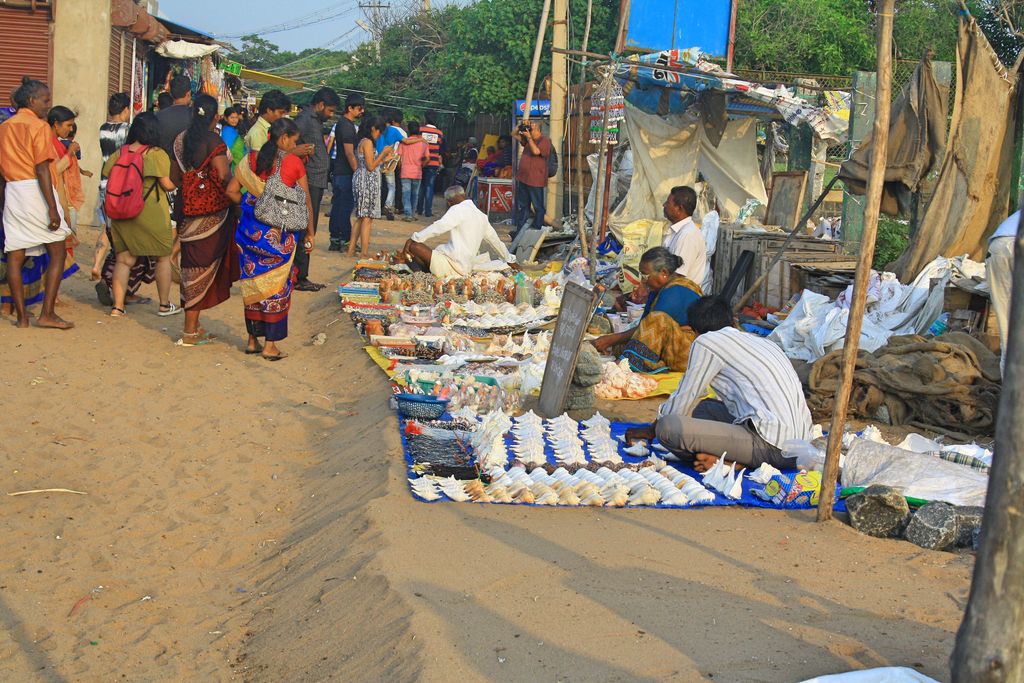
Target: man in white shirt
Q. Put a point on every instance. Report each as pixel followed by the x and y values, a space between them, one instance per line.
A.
pixel 683 237
pixel 760 403
pixel 999 271
pixel 709 229
pixel 469 229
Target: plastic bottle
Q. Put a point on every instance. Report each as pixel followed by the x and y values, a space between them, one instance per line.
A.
pixel 939 326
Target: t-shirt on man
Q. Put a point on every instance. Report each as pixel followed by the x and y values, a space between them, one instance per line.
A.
pixel 533 168
pixel 434 139
pixel 171 122
pixel 344 132
pixel 258 134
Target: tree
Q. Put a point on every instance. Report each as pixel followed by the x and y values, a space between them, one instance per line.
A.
pixel 260 54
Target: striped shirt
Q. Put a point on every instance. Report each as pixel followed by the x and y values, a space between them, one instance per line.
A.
pixel 752 377
pixel 434 139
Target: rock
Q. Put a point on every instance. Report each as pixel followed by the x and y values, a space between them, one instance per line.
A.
pixel 879 511
pixel 599 325
pixel 933 527
pixel 968 524
pixel 580 398
pixel 588 366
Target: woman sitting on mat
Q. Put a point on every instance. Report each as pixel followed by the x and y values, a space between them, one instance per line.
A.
pixel 661 341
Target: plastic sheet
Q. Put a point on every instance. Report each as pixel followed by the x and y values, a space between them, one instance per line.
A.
pixel 915 474
pixel 888 674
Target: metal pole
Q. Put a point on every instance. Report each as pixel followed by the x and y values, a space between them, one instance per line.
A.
pixel 873 200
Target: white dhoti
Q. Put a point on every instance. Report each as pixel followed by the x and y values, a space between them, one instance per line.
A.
pixel 442 267
pixel 27 219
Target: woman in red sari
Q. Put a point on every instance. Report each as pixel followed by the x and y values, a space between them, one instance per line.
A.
pixel 208 262
pixel 267 253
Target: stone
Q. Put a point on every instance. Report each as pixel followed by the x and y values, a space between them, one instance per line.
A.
pixel 599 325
pixel 933 527
pixel 580 398
pixel 879 511
pixel 588 367
pixel 968 523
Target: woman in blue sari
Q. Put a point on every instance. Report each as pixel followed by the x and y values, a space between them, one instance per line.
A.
pixel 661 340
pixel 229 134
pixel 267 253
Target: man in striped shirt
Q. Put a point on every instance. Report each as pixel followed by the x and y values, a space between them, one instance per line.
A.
pixel 760 402
pixel 434 138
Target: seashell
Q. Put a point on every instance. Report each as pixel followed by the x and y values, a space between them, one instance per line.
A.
pixel 655 462
pixel 735 490
pixel 763 474
pixel 702 496
pixel 454 489
pixel 517 487
pixel 604 472
pixel 549 497
pixel 475 489
pixel 677 499
pixel 617 499
pixel 646 496
pixel 424 488
pixel 637 450
pixel 567 496
pixel 524 496
pixel 593 500
pixel 714 476
pixel 501 496
pixel 691 489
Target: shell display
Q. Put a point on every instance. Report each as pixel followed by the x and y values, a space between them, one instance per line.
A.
pixel 424 489
pixel 454 489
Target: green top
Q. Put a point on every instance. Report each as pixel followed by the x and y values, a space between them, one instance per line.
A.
pixel 149 233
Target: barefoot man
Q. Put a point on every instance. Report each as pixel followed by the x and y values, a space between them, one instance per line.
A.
pixel 33 220
pixel 760 403
pixel 469 229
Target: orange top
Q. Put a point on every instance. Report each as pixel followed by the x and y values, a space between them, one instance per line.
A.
pixel 25 141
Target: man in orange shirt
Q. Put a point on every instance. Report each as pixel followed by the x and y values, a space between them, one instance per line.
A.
pixel 33 220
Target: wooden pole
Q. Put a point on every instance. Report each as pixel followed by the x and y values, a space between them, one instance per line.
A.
pixel 559 95
pixel 581 200
pixel 873 201
pixel 602 172
pixel 541 30
pixel 989 645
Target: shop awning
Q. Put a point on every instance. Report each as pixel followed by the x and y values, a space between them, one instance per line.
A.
pixel 250 75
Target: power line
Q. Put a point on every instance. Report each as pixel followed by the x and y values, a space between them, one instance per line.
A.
pixel 321 50
pixel 316 17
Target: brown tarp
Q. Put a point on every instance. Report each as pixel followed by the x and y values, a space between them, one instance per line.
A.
pixel 950 382
pixel 917 136
pixel 972 192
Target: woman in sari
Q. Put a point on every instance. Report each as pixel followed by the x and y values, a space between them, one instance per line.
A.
pixel 267 253
pixel 231 137
pixel 208 263
pixel 661 341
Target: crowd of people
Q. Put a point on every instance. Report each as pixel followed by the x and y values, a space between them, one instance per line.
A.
pixel 183 199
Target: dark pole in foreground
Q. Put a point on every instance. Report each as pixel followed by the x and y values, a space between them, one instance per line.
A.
pixel 990 643
pixel 873 202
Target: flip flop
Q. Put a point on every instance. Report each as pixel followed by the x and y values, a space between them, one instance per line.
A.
pixel 143 300
pixel 116 312
pixel 194 339
pixel 171 310
pixel 253 352
pixel 103 294
pixel 274 359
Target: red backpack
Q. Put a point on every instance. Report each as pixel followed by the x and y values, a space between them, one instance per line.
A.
pixel 124 199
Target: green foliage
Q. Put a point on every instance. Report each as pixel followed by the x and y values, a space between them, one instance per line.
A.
pixel 891 241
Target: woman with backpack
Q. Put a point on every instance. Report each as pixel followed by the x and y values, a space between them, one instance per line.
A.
pixel 267 252
pixel 140 227
pixel 206 227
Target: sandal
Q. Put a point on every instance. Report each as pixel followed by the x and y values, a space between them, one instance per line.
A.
pixel 116 312
pixel 193 339
pixel 253 352
pixel 273 359
pixel 138 300
pixel 103 294
pixel 168 310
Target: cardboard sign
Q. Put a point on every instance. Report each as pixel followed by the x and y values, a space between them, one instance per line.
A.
pixel 577 309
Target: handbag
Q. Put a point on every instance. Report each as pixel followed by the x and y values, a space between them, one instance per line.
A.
pixel 202 191
pixel 281 206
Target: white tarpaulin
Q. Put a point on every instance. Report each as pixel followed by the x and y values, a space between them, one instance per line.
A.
pixel 817 325
pixel 671 150
pixel 182 49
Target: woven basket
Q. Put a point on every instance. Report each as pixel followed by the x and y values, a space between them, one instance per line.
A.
pixel 421 407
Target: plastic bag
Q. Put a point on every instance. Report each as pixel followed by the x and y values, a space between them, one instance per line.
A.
pixel 808 456
pixel 915 474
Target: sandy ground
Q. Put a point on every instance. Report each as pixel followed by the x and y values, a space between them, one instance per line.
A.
pixel 250 521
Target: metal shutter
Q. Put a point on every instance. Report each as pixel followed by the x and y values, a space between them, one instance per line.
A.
pixel 25 43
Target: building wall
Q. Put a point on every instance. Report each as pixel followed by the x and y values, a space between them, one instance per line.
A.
pixel 81 48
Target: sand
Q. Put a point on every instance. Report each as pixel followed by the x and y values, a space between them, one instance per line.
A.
pixel 250 521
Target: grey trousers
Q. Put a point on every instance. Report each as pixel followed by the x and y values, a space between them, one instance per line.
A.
pixel 711 430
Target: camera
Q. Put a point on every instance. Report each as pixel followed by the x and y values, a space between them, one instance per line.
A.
pixel 524 129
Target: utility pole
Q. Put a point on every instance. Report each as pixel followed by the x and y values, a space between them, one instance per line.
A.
pixel 559 93
pixel 375 19
pixel 426 5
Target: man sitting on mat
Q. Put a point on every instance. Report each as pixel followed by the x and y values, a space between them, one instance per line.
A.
pixel 760 404
pixel 469 228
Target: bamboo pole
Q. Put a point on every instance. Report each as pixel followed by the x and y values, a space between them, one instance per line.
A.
pixel 989 647
pixel 873 200
pixel 537 49
pixel 603 172
pixel 559 97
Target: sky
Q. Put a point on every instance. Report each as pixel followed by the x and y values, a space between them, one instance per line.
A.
pixel 335 20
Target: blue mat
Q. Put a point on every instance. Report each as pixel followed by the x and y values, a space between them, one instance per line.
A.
pixel 748 499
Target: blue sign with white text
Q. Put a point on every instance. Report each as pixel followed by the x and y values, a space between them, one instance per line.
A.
pixel 539 108
pixel 679 24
